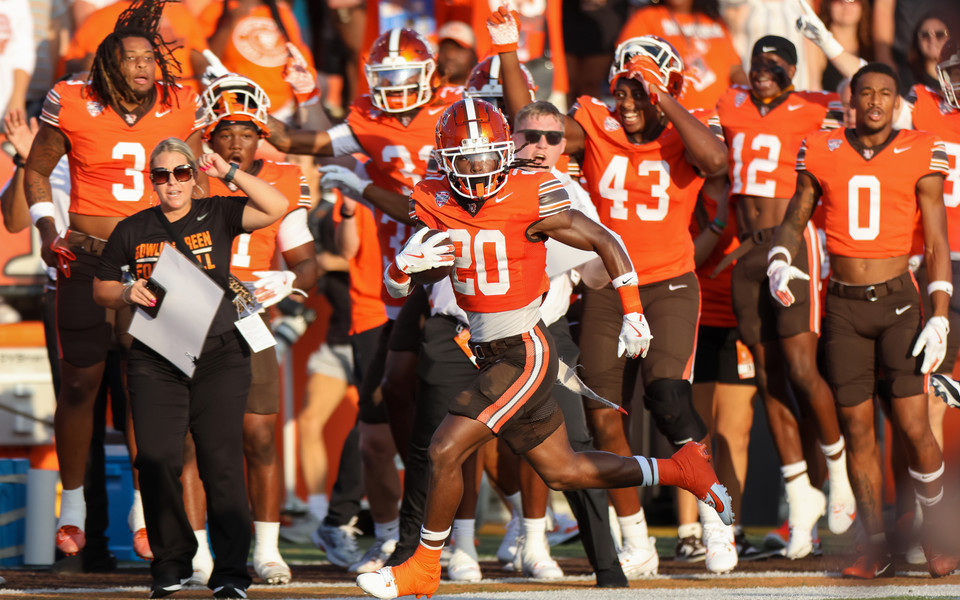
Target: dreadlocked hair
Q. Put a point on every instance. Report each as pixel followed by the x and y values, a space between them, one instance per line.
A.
pixel 140 19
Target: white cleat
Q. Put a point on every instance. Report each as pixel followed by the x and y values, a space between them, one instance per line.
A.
pixel 508 547
pixel 721 556
pixel 803 516
pixel 202 568
pixel 379 583
pixel 273 571
pixel 534 560
pixel 639 562
pixel 463 565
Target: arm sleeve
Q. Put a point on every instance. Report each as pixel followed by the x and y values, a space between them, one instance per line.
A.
pixel 293 231
pixel 343 141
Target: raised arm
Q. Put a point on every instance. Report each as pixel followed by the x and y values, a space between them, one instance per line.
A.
pixel 266 203
pixel 49 146
pixel 810 25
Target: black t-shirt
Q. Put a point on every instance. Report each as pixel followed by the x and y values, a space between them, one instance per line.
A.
pixel 207 230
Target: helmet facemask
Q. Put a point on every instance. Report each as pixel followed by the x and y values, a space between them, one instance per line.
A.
pixel 948 71
pixel 235 98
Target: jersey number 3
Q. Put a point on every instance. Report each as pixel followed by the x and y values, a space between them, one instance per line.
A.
pixel 121 191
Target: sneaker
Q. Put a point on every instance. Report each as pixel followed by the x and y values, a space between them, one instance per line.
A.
pixel 843 508
pixel 745 549
pixel 162 590
pixel 410 578
pixel 71 539
pixel 375 557
pixel 273 571
pixel 300 529
pixel 464 565
pixel 534 560
pixel 721 556
pixel 508 547
pixel 690 549
pixel 639 562
pixel 867 567
pixel 699 478
pixel 141 545
pixel 202 569
pixel 564 528
pixel 228 590
pixel 946 389
pixel 339 543
pixel 803 516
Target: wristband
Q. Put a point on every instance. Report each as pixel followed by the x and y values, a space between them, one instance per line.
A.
pixel 780 250
pixel 344 215
pixel 630 299
pixel 18 161
pixel 940 286
pixel 721 224
pixel 395 274
pixel 715 228
pixel 41 210
pixel 123 294
pixel 629 278
pixel 228 178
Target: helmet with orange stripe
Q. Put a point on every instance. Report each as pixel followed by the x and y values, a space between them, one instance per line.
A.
pixel 474 148
pixel 400 70
pixel 232 99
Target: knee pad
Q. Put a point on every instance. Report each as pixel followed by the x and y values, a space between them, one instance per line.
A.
pixel 670 401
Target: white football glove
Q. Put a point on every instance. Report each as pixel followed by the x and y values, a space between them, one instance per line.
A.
pixel 417 255
pixel 344 179
pixel 634 336
pixel 933 343
pixel 812 28
pixel 214 70
pixel 273 286
pixel 781 273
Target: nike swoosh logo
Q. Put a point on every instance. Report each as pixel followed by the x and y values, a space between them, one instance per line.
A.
pixel 793 107
pixel 161 114
pixel 500 199
pixel 674 287
pixel 903 309
pixel 899 150
pixel 202 217
pixel 433 111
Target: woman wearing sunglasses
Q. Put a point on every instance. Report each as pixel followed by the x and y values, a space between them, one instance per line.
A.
pixel 166 403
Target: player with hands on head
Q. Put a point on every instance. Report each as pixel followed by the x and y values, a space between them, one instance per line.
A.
pixel 498 219
pixel 873 310
pixel 644 162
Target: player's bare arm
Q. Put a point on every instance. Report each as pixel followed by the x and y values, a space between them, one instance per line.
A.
pixel 936 249
pixel 573 228
pixel 704 150
pixel 48 148
pixel 346 237
pixel 266 203
pixel 302 261
pixel 299 141
pixel 799 211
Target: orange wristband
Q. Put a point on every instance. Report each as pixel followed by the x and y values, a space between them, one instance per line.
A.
pixel 398 276
pixel 630 298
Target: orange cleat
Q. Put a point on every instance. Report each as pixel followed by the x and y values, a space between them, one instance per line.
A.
pixel 141 545
pixel 693 473
pixel 71 539
pixel 870 567
pixel 417 576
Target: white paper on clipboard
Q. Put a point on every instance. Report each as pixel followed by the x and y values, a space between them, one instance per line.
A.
pixel 561 257
pixel 181 325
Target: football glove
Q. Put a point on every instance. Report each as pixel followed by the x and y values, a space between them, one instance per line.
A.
pixel 417 255
pixel 298 74
pixel 503 25
pixel 933 343
pixel 273 286
pixel 781 273
pixel 643 69
pixel 634 336
pixel 344 179
pixel 812 28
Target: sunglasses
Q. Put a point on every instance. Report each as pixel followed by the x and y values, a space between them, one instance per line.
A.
pixel 160 176
pixel 940 34
pixel 532 136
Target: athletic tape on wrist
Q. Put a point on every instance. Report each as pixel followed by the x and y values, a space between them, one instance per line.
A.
pixel 793 469
pixel 831 449
pixel 780 250
pixel 933 286
pixel 41 210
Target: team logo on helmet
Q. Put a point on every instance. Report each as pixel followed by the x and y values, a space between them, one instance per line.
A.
pixel 474 148
pixel 400 70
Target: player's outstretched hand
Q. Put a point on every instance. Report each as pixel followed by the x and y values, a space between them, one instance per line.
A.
pixel 812 28
pixel 213 164
pixel 344 179
pixel 635 336
pixel 297 73
pixel 20 131
pixel 933 343
pixel 503 25
pixel 418 255
pixel 781 273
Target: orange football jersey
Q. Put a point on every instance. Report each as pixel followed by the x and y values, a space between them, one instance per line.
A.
pixel 391 236
pixel 109 158
pixel 255 251
pixel 763 147
pixel 932 113
pixel 497 267
pixel 177 27
pixel 366 272
pixel 644 192
pixel 870 206
pixel 716 308
pixel 704 46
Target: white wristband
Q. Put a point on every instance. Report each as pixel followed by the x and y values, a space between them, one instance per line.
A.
pixel 780 250
pixel 625 279
pixel 41 210
pixel 940 286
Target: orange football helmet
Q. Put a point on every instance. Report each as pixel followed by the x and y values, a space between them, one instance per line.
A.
pixel 663 54
pixel 399 71
pixel 234 97
pixel 948 73
pixel 474 148
pixel 485 83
